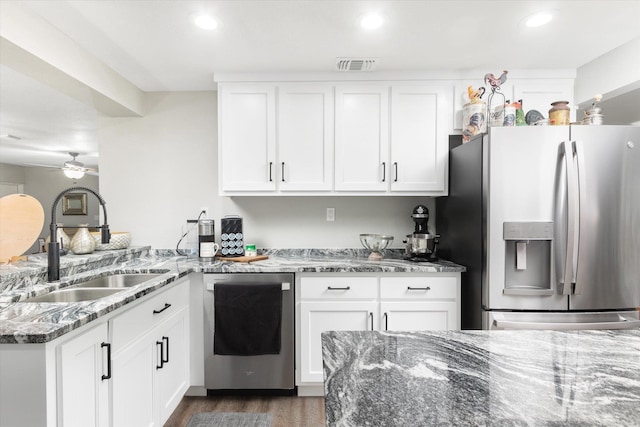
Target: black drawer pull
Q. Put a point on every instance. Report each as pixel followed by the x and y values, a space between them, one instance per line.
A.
pixel 166 305
pixel 108 345
pixel 409 288
pixel 331 288
pixel 371 318
pixel 386 322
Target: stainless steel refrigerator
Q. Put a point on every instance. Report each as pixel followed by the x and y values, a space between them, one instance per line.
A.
pixel 547 221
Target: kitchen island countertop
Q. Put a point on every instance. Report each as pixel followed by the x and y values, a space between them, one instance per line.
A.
pixel 42 322
pixel 482 378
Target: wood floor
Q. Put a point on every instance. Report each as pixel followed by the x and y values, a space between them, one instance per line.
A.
pixel 287 411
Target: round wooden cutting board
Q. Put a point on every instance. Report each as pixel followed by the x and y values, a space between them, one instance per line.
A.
pixel 21 221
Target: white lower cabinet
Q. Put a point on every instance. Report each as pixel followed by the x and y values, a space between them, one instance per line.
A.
pixel 150 370
pixel 402 302
pixel 84 371
pixel 129 368
pixel 317 317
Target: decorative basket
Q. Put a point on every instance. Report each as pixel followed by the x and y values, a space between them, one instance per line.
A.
pixel 119 240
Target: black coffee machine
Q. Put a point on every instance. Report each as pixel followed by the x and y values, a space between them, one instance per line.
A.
pixel 421 245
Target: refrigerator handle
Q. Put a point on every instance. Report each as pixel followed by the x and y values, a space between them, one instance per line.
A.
pixel 567 278
pixel 581 194
pixel 510 324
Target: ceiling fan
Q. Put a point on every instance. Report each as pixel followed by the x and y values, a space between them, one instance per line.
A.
pixel 72 168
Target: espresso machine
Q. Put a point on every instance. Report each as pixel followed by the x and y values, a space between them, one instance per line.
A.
pixel 421 245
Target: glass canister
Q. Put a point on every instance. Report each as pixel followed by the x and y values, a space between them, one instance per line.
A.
pixel 83 242
pixel 559 113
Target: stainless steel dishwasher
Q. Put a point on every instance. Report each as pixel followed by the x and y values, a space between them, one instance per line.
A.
pixel 263 373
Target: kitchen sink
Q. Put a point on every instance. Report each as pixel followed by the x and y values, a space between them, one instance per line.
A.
pixel 74 295
pixel 123 280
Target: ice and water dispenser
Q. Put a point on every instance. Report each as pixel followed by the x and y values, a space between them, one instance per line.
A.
pixel 528 252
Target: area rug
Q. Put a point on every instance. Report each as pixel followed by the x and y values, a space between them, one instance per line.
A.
pixel 229 419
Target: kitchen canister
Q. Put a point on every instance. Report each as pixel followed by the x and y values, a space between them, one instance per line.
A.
pixel 473 120
pixel 83 242
pixel 559 113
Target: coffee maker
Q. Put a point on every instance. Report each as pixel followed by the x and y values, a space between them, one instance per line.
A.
pixel 421 245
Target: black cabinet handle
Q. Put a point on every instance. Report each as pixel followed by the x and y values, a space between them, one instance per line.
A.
pixel 371 320
pixel 108 345
pixel 409 288
pixel 384 171
pixel 166 341
pixel 166 306
pixel 282 172
pixel 386 322
pixel 395 166
pixel 331 288
pixel 270 169
pixel 161 358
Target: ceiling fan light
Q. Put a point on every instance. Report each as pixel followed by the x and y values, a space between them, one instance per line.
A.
pixel 73 174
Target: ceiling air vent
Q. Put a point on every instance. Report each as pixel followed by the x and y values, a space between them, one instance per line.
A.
pixel 356 64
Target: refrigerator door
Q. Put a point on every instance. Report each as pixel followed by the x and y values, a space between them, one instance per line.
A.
pixel 607 274
pixel 520 180
pixel 562 321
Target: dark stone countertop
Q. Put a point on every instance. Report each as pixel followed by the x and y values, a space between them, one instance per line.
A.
pixel 482 378
pixel 24 322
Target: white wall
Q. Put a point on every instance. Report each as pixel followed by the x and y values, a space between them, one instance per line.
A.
pixel 159 170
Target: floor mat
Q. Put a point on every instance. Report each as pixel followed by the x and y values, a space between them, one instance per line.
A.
pixel 229 419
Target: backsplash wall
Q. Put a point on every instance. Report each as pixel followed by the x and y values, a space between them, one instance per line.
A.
pixel 159 170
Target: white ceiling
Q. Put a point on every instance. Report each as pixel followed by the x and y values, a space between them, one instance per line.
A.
pixel 154 45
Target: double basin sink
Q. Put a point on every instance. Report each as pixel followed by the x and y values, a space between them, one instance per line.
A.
pixel 94 289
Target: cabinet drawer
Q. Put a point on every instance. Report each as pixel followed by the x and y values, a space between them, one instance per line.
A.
pixel 418 287
pixel 339 287
pixel 141 319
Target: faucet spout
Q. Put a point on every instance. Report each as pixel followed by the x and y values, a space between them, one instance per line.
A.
pixel 53 256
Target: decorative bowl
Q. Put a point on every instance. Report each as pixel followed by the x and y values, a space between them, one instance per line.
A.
pixel 376 243
pixel 119 240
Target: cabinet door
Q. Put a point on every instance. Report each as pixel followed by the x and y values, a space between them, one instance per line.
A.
pixel 83 398
pixel 173 376
pixel 317 317
pixel 418 316
pixel 362 138
pixel 133 383
pixel 305 138
pixel 419 142
pixel 247 138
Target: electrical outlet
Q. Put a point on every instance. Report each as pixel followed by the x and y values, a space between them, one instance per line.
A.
pixel 205 215
pixel 331 214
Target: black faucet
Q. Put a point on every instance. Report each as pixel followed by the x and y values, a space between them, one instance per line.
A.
pixel 53 267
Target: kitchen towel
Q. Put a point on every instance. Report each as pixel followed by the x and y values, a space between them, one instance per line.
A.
pixel 229 419
pixel 247 319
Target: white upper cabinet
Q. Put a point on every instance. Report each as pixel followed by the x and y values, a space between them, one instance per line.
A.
pixel 247 138
pixel 419 138
pixel 362 138
pixel 305 138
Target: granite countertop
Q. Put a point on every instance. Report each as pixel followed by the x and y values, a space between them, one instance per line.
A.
pixel 482 378
pixel 24 322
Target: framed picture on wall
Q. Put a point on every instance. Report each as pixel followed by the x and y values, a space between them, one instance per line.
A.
pixel 74 204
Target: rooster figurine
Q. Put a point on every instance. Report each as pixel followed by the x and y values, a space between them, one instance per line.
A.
pixel 475 95
pixel 494 82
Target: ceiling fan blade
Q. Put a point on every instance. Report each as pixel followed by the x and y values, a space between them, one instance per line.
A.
pixel 42 166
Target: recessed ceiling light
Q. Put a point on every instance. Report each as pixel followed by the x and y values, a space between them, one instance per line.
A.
pixel 206 22
pixel 539 19
pixel 371 22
